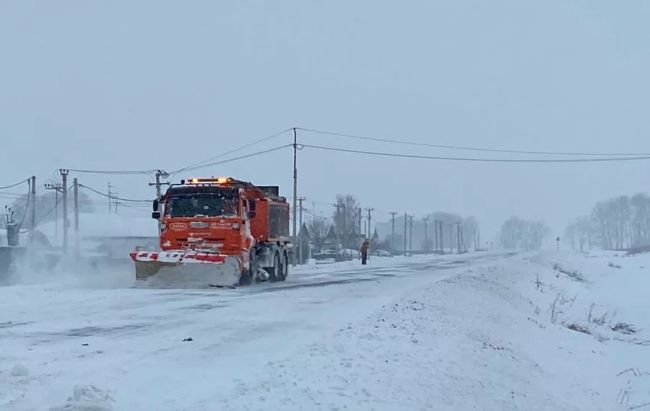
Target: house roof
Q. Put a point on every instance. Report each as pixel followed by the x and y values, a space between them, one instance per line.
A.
pixel 103 225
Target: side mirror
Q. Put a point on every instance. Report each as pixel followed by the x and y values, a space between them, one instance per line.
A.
pixel 155 215
pixel 155 205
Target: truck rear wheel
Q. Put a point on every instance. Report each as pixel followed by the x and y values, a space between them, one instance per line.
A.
pixel 275 272
pixel 285 267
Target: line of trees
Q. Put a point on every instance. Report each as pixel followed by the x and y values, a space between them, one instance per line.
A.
pixel 517 233
pixel 424 238
pixel 613 224
pixel 344 225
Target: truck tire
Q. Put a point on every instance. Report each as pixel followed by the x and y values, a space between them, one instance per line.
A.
pixel 275 272
pixel 248 276
pixel 285 266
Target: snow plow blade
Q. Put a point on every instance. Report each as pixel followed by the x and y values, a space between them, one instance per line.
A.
pixel 196 268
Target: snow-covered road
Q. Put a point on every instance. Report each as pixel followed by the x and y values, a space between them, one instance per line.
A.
pixel 427 332
pixel 130 341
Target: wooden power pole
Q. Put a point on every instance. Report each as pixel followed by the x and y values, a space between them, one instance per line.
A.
pixel 392 241
pixel 426 235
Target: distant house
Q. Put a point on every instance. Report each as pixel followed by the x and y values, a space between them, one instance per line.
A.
pixel 331 241
pixel 330 247
pixel 104 238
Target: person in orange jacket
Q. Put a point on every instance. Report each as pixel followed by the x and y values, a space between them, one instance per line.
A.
pixel 364 251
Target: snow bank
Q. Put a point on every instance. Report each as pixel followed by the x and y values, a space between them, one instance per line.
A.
pixel 486 339
pixel 489 332
pixel 87 398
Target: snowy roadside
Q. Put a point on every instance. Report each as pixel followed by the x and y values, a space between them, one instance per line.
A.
pixel 488 339
pixel 453 333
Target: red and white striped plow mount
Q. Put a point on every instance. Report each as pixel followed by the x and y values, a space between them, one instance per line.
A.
pixel 178 257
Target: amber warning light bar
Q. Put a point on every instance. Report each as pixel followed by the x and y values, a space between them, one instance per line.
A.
pixel 213 180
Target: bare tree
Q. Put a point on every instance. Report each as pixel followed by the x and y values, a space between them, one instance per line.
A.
pixel 518 233
pixel 346 220
pixel 617 223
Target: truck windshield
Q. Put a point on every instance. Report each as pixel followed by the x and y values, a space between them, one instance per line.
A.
pixel 201 204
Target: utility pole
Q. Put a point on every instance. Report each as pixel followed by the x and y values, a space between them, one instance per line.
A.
pixel 337 219
pixel 57 187
pixel 110 197
pixel 158 184
pixel 458 237
pixel 426 235
pixel 295 186
pixel 33 201
pixel 360 232
pixel 75 191
pixel 346 238
pixel 442 237
pixel 56 216
pixel 435 235
pixel 411 235
pixel 369 210
pixel 64 178
pixel 405 218
pixel 300 200
pixel 451 238
pixel 392 241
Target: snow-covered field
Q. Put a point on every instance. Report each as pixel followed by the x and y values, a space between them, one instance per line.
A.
pixel 483 331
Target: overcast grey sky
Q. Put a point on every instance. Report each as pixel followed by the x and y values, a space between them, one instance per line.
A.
pixel 157 84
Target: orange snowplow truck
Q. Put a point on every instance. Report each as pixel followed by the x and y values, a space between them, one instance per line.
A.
pixel 220 232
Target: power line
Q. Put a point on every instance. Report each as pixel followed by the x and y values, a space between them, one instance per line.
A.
pixel 468 148
pixel 112 196
pixel 258 153
pixel 122 172
pixel 15 184
pixel 44 216
pixel 27 203
pixel 245 146
pixel 484 160
pixel 11 196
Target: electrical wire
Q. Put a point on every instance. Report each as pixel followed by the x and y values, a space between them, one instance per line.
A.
pixel 467 148
pixel 11 196
pixel 113 197
pixel 119 172
pixel 484 160
pixel 245 146
pixel 27 203
pixel 44 216
pixel 15 184
pixel 229 160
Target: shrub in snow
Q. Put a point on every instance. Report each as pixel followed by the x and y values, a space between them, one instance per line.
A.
pixel 19 370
